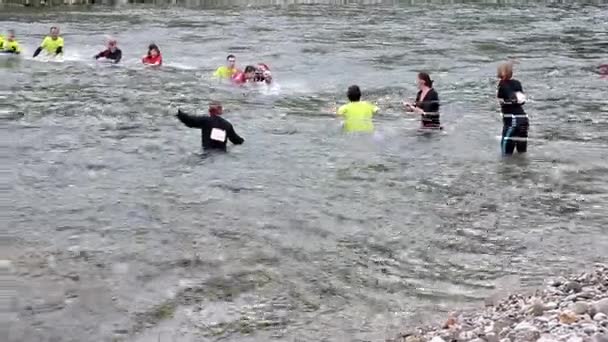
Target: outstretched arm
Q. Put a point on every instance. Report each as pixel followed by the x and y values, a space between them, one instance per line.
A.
pixel 37 52
pixel 191 121
pixel 234 138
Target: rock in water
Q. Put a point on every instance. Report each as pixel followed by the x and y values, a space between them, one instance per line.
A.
pixel 573 286
pixel 567 317
pixel 600 338
pixel 579 308
pixel 600 317
pixel 600 306
pixel 437 339
pixel 537 308
pixel 524 331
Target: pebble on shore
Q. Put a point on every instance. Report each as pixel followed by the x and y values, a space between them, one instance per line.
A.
pixel 567 310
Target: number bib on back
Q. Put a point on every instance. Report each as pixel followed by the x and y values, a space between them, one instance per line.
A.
pixel 218 134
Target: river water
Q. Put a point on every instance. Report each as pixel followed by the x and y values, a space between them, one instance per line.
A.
pixel 119 228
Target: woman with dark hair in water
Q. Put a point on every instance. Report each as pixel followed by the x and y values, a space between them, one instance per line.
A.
pixel 153 57
pixel 427 102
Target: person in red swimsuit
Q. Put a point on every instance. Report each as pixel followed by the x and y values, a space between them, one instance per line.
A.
pixel 153 57
pixel 243 77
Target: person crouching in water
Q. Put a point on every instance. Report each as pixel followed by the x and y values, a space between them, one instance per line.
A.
pixel 427 102
pixel 357 114
pixel 153 57
pixel 10 45
pixel 511 98
pixel 243 77
pixel 215 130
pixel 112 53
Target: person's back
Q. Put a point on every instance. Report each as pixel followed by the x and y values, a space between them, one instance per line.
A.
pixel 215 130
pixel 357 114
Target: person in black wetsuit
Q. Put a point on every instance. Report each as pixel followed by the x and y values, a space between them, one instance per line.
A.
pixel 215 130
pixel 427 103
pixel 515 120
pixel 112 53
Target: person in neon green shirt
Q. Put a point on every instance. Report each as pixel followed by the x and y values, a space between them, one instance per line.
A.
pixel 357 114
pixel 10 45
pixel 227 71
pixel 52 44
pixel 1 42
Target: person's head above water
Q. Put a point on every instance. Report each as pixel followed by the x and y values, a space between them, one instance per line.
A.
pixel 505 71
pixel 54 32
pixel 250 71
pixel 11 35
pixel 424 80
pixel 153 50
pixel 354 93
pixel 267 77
pixel 215 108
pixel 231 61
pixel 112 44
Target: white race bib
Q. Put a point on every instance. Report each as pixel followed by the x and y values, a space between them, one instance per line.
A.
pixel 218 134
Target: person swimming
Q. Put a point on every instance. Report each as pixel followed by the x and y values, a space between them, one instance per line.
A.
pixel 153 57
pixel 427 102
pixel 10 44
pixel 228 70
pixel 357 114
pixel 262 74
pixel 511 98
pixel 215 130
pixel 243 77
pixel 112 52
pixel 52 44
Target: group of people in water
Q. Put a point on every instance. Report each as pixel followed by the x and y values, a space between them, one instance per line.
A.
pixel 357 114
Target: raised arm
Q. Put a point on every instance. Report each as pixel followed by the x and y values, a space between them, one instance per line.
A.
pixel 191 121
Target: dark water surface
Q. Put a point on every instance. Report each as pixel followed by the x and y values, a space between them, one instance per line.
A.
pixel 118 228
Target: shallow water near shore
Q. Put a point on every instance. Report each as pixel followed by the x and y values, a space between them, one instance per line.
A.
pixel 119 228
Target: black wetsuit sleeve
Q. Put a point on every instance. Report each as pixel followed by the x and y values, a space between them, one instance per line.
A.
pixel 234 138
pixel 37 52
pixel 118 56
pixel 431 102
pixel 99 55
pixel 191 120
pixel 59 50
pixel 517 87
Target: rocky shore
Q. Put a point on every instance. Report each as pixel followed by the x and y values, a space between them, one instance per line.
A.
pixel 573 309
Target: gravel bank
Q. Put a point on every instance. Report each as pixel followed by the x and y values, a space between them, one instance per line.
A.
pixel 573 309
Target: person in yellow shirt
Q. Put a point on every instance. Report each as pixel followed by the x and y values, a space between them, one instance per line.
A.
pixel 10 45
pixel 1 42
pixel 357 114
pixel 228 70
pixel 52 44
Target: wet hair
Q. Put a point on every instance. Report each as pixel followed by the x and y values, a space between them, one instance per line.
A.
pixel 153 47
pixel 353 93
pixel 426 79
pixel 230 56
pixel 505 71
pixel 249 68
pixel 215 108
